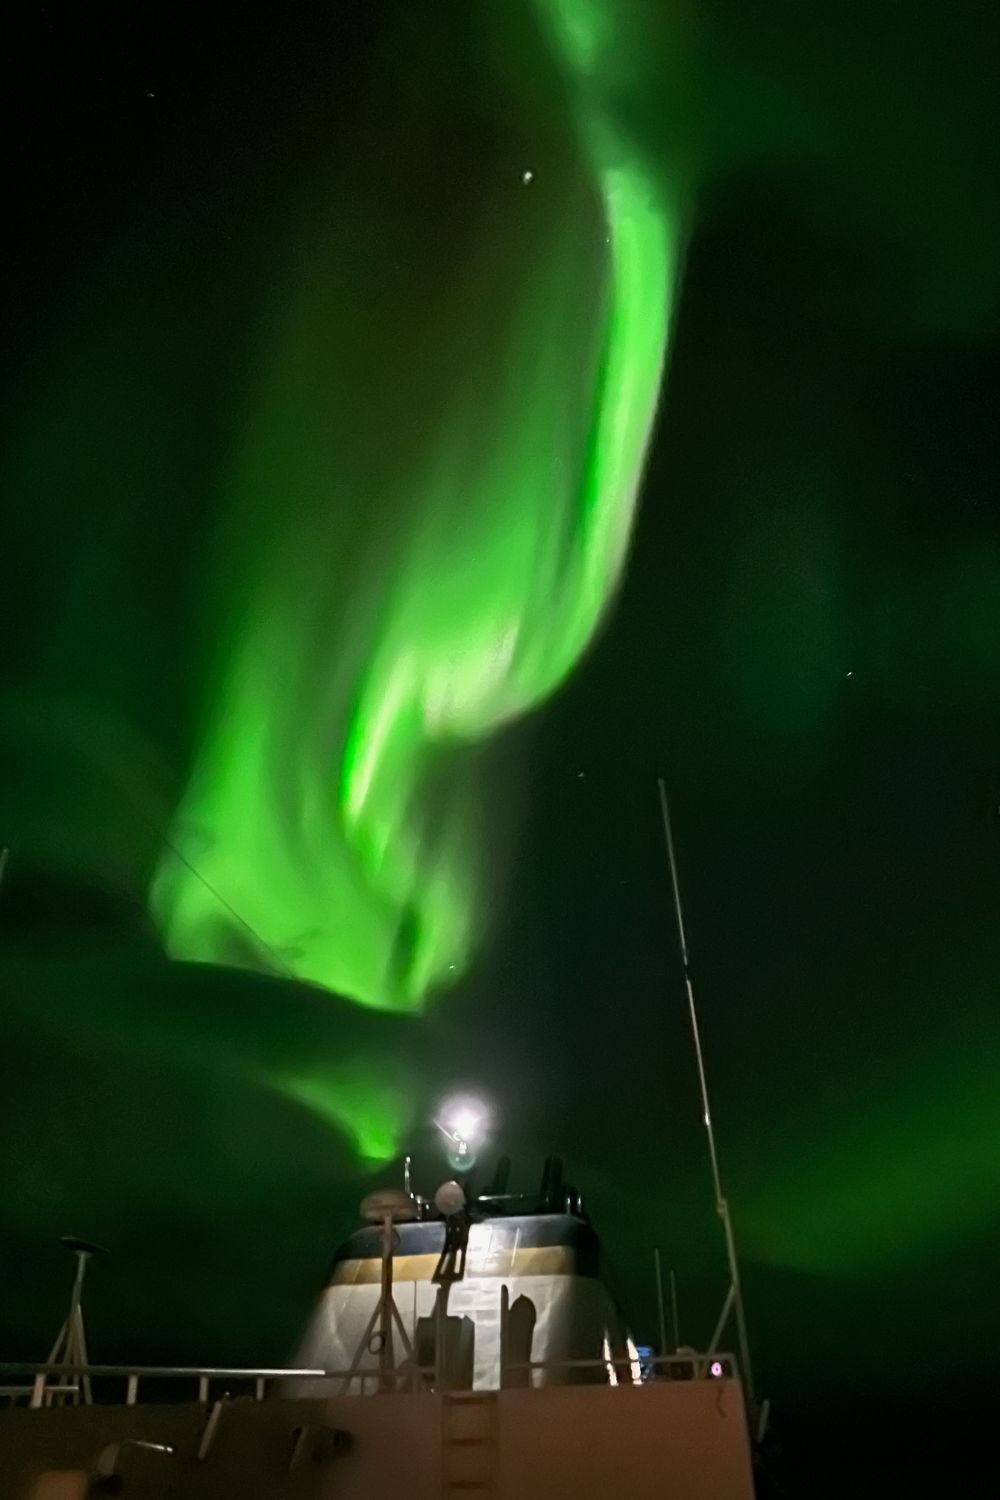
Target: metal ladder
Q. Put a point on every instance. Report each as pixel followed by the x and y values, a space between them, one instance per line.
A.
pixel 468 1445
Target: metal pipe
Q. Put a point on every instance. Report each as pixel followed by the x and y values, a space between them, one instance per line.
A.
pixel 722 1207
pixel 106 1463
pixel 692 1008
pixel 674 1320
pixel 720 1325
pixel 208 1372
pixel 211 1426
pixel 386 1362
pixel 695 1359
pixel 143 1372
pixel 623 1360
pixel 440 1332
pixel 659 1301
pixel 504 1331
pixel 162 1373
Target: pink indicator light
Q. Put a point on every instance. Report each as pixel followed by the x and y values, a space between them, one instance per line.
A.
pixel 715 1368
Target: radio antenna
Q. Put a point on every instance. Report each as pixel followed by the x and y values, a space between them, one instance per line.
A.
pixel 734 1298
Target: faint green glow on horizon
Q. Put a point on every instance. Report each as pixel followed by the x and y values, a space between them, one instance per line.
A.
pixel 330 812
pixel 888 1176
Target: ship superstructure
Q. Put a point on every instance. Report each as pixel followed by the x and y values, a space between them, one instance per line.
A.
pixel 463 1348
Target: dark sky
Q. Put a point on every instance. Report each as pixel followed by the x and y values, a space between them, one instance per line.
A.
pixel 804 646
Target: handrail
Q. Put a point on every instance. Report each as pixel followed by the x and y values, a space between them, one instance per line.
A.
pixel 42 1393
pixel 702 1366
pixel 622 1362
pixel 250 1372
pixel 198 1372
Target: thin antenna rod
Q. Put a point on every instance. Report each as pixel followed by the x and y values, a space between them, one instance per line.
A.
pixel 721 1206
pixel 675 1321
pixel 659 1303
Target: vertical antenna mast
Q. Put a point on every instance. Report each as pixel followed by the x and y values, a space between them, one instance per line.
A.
pixel 659 1302
pixel 721 1206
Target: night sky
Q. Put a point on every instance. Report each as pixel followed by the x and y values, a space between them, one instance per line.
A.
pixel 801 643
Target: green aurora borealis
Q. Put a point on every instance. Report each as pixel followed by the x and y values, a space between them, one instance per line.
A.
pixel 305 843
pixel 328 565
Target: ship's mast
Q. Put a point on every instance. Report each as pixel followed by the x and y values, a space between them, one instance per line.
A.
pixel 734 1299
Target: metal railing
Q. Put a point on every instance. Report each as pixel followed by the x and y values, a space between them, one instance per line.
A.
pixel 683 1366
pixel 51 1385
